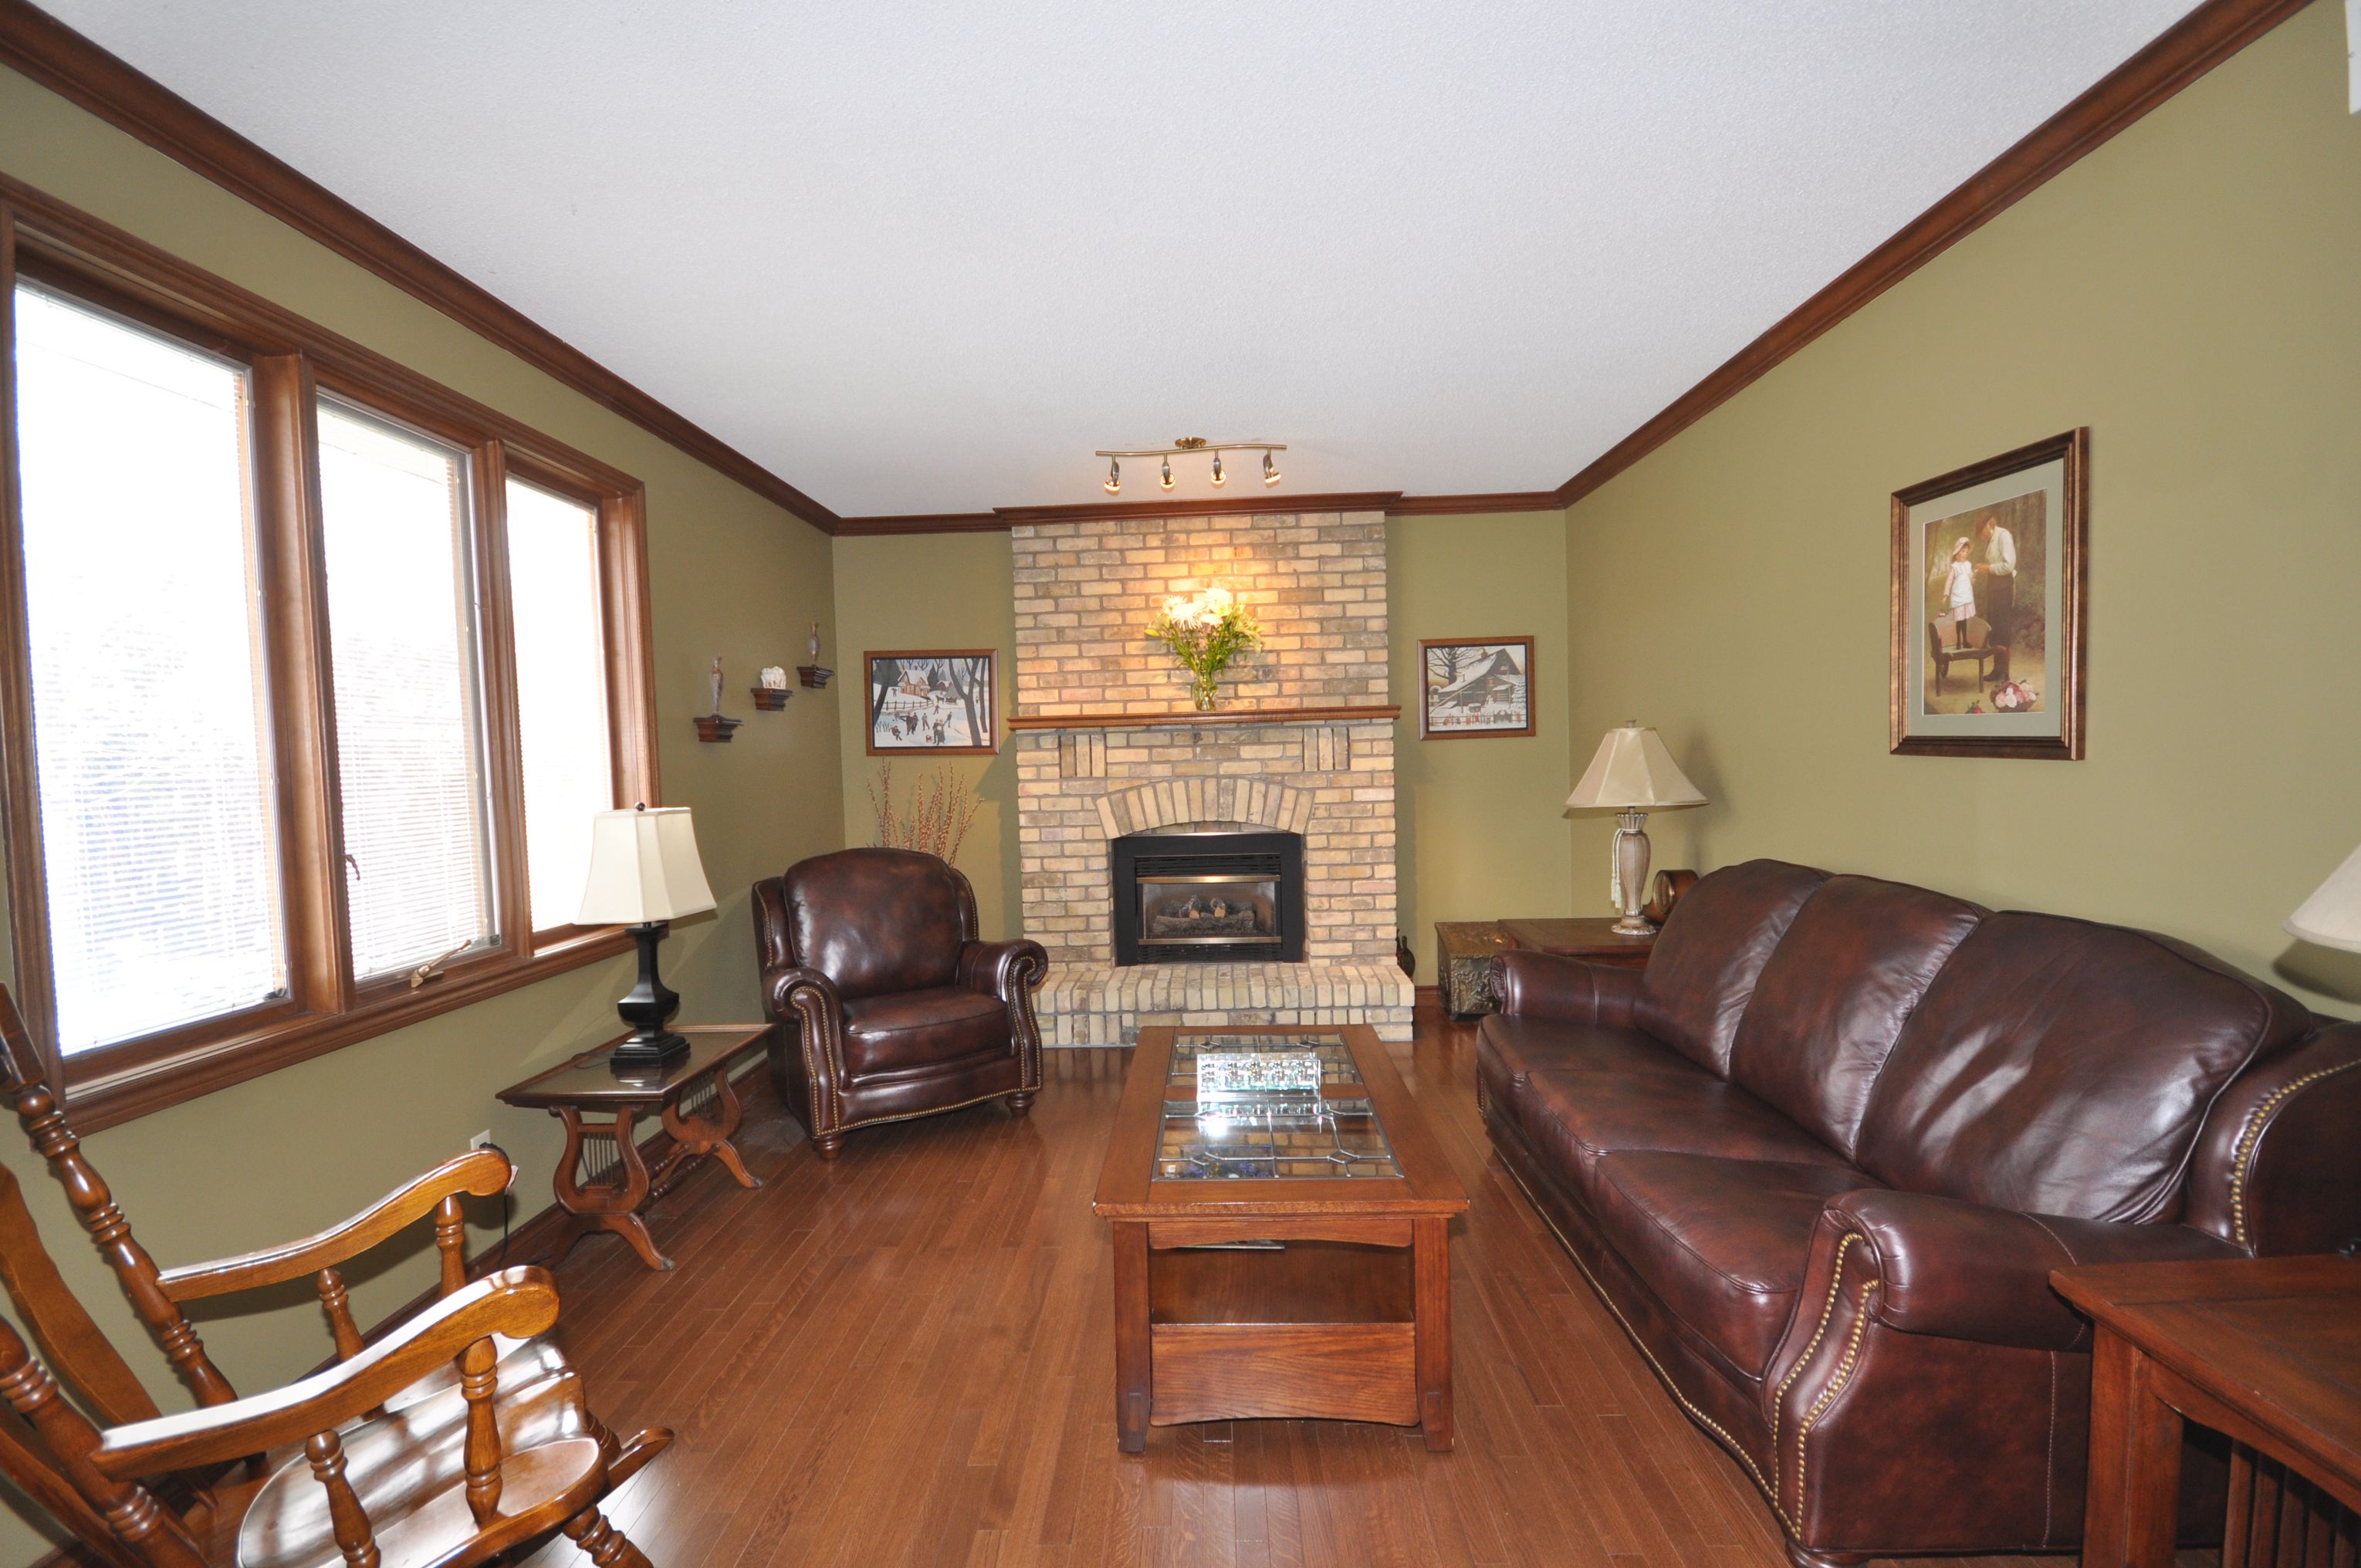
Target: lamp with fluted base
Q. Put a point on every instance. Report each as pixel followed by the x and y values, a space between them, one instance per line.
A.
pixel 1631 775
pixel 644 873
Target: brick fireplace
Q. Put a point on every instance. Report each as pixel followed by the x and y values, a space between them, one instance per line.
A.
pixel 1108 747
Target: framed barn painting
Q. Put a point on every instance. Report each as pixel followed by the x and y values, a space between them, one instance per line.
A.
pixel 1473 686
pixel 936 700
pixel 1990 594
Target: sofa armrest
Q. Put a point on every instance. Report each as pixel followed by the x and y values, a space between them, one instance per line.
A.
pixel 1962 1270
pixel 1563 989
pixel 2278 1169
pixel 1001 969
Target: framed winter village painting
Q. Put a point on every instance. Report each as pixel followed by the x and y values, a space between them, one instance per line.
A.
pixel 931 699
pixel 1471 687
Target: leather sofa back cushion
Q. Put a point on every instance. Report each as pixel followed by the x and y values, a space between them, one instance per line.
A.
pixel 1702 968
pixel 876 920
pixel 2057 1067
pixel 1835 994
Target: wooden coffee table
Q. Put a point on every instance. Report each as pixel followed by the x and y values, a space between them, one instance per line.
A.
pixel 1291 1259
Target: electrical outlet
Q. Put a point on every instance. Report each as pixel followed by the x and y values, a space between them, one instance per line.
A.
pixel 482 1140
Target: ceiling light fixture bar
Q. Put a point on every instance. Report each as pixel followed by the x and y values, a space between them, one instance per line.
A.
pixel 1188 445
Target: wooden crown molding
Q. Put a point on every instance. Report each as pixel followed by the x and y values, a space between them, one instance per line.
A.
pixel 2191 48
pixel 48 51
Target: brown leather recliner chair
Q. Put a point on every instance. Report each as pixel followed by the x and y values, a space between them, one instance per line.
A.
pixel 1820 1155
pixel 892 1008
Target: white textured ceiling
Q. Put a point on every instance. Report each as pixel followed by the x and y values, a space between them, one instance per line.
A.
pixel 915 256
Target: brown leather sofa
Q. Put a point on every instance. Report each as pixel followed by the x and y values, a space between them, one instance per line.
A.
pixel 892 1008
pixel 1821 1154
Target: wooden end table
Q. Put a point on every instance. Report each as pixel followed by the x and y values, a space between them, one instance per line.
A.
pixel 1593 937
pixel 615 1197
pixel 2266 1350
pixel 1289 1259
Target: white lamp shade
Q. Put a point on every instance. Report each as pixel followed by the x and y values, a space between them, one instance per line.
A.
pixel 2332 915
pixel 1633 770
pixel 644 868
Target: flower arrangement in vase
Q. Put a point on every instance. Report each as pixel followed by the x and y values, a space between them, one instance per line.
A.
pixel 1206 630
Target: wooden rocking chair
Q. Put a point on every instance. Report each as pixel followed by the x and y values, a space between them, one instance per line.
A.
pixel 459 1436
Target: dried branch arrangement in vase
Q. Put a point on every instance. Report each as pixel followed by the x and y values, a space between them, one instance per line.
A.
pixel 941 810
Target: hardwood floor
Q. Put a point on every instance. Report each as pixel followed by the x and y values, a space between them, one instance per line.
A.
pixel 907 1358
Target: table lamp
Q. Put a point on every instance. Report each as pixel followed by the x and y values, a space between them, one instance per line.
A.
pixel 1631 775
pixel 2332 915
pixel 644 873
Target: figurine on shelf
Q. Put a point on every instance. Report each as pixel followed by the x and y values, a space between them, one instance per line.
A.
pixel 713 726
pixel 813 674
pixel 773 694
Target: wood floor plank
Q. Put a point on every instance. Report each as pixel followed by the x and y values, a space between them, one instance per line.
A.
pixel 906 1356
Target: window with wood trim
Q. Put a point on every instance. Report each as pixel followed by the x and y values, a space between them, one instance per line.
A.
pixel 312 673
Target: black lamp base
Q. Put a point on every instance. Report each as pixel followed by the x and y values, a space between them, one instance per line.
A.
pixel 648 1007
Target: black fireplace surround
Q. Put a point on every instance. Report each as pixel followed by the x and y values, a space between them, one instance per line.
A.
pixel 1208 897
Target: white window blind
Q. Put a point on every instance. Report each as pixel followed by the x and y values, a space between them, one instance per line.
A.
pixel 150 712
pixel 403 636
pixel 561 671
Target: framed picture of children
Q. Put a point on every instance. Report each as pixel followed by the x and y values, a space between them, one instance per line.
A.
pixel 938 700
pixel 1990 594
pixel 1475 685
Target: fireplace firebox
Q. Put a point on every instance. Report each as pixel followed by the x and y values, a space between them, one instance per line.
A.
pixel 1208 897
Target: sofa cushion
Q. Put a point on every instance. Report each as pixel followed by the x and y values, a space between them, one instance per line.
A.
pixel 1702 970
pixel 1509 1050
pixel 922 1028
pixel 1722 1241
pixel 1574 1118
pixel 2058 1067
pixel 1834 997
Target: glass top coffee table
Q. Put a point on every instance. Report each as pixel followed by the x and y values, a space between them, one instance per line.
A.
pixel 1281 1227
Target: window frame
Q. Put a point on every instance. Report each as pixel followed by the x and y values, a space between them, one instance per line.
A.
pixel 294 362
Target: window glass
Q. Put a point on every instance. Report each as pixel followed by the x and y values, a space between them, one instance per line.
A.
pixel 150 708
pixel 561 672
pixel 409 746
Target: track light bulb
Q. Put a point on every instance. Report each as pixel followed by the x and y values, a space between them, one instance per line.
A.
pixel 1113 486
pixel 1167 480
pixel 1269 470
pixel 1218 476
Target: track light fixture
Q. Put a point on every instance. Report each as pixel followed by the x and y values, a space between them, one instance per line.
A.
pixel 1190 445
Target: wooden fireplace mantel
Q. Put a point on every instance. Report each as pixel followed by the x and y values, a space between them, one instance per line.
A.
pixel 1190 719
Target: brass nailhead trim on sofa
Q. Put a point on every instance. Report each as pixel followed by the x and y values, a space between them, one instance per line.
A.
pixel 2241 1167
pixel 1827 1311
pixel 1835 1386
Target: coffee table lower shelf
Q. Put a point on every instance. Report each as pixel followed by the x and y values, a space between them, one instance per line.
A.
pixel 1318 1327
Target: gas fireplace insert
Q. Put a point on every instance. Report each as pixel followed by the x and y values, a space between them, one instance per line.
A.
pixel 1208 897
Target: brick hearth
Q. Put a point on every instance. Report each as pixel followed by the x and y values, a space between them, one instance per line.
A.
pixel 1084 592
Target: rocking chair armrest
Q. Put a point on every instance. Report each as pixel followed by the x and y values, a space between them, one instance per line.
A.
pixel 518 1302
pixel 480 1173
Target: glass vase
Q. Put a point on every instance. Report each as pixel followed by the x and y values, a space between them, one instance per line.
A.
pixel 1207 686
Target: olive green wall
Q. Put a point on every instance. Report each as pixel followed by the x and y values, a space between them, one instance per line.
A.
pixel 934 591
pixel 732 575
pixel 1481 834
pixel 2190 292
pixel 1482 824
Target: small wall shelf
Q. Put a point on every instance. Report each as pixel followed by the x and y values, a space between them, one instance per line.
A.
pixel 769 699
pixel 814 675
pixel 714 727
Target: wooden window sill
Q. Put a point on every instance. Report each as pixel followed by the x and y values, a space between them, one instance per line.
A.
pixel 103 1094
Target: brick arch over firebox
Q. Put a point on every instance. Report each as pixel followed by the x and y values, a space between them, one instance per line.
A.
pixel 1170 802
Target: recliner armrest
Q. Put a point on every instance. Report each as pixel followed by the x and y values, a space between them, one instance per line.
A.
pixel 1001 969
pixel 1563 989
pixel 789 996
pixel 1962 1270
